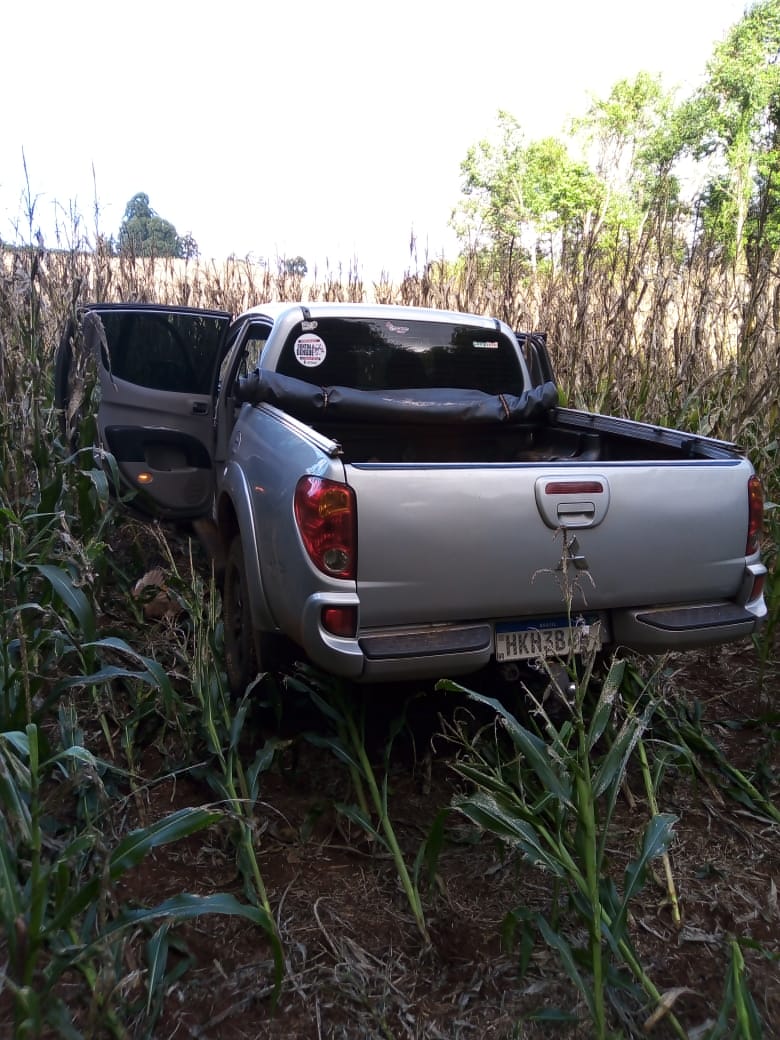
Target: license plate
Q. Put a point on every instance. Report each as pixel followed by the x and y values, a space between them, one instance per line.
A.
pixel 550 637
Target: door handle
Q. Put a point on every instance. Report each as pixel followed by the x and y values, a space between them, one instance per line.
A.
pixel 569 512
pixel 572 499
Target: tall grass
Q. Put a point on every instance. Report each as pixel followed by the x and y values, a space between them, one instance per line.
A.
pixel 688 346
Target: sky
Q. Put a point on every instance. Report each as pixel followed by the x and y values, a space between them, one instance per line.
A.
pixel 329 130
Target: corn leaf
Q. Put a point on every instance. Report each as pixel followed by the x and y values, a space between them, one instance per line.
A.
pixel 72 596
pixel 603 710
pixel 356 815
pixel 181 824
pixel 655 842
pixel 613 766
pixel 565 952
pixel 483 810
pixel 532 747
pixel 156 959
pixel 186 906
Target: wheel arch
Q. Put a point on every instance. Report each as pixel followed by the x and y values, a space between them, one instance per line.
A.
pixel 234 516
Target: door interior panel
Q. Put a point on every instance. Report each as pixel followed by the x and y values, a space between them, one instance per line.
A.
pixel 158 369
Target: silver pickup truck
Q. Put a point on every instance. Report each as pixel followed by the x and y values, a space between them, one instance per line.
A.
pixel 397 492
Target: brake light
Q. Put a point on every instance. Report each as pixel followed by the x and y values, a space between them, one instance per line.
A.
pixel 325 514
pixel 755 515
pixel 574 487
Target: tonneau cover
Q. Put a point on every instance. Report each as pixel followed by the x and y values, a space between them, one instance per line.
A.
pixel 431 406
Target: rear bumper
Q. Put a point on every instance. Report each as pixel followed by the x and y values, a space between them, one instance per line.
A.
pixel 395 654
pixel 453 649
pixel 684 626
pixel 658 629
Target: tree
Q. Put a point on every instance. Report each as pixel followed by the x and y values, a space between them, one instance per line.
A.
pixel 144 233
pixel 295 266
pixel 635 137
pixel 188 248
pixel 524 200
pixel 735 116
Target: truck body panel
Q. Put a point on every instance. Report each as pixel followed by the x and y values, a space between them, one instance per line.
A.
pixel 490 522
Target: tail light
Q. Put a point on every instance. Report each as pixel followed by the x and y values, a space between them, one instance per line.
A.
pixel 340 621
pixel 755 515
pixel 325 513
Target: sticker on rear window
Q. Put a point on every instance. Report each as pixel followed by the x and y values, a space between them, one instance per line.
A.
pixel 310 350
pixel 488 344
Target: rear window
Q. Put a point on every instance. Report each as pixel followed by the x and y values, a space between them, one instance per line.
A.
pixel 382 354
pixel 162 350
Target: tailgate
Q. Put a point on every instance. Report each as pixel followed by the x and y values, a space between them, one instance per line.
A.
pixel 461 542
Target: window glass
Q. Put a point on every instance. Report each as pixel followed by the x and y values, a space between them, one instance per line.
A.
pixel 379 354
pixel 162 350
pixel 248 355
pixel 253 348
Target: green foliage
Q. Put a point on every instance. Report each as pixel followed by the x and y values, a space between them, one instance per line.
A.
pixel 551 795
pixel 348 744
pixel 561 193
pixel 144 233
pixel 518 194
pixel 690 746
pixel 55 895
pixel 735 114
pixel 738 1017
pixel 60 908
pixel 635 140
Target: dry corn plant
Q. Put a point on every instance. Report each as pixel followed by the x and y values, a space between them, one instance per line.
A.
pixel 680 343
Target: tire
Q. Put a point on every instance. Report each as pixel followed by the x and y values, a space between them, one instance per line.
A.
pixel 242 660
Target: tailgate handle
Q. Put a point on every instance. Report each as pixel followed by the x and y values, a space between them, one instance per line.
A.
pixel 576 501
pixel 573 510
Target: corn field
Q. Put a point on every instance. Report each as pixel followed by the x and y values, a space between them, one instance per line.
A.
pixel 161 873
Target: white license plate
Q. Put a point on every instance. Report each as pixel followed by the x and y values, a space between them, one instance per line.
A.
pixel 552 637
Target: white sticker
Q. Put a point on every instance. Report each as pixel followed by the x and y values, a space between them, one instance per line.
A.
pixel 488 344
pixel 308 326
pixel 310 350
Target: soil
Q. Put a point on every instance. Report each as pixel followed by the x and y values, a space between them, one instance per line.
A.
pixel 356 965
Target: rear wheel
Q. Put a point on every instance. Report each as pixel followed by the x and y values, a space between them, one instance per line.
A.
pixel 242 660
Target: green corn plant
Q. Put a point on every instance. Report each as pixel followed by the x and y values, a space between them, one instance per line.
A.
pixel 221 728
pixel 553 797
pixel 50 899
pixel 348 745
pixel 680 727
pixel 738 1017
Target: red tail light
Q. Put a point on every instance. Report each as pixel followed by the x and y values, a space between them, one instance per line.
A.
pixel 325 513
pixel 755 515
pixel 340 621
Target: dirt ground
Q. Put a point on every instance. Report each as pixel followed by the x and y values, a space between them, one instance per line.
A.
pixel 356 965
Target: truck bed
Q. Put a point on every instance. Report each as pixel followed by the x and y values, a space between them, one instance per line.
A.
pixel 480 513
pixel 566 436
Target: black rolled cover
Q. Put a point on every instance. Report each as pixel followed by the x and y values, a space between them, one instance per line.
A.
pixel 437 405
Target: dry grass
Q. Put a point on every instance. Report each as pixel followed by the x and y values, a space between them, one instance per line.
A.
pixel 691 346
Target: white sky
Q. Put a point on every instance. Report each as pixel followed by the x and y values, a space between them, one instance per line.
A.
pixel 328 129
